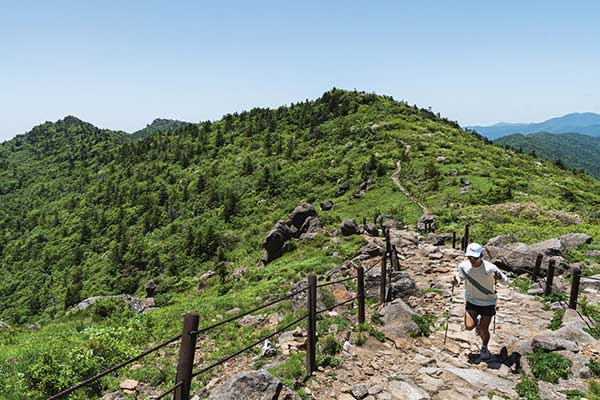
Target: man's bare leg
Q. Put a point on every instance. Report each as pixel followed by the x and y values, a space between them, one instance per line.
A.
pixel 470 320
pixel 484 329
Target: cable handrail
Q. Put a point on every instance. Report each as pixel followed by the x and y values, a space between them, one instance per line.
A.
pixel 235 317
pixel 336 282
pixel 237 353
pixel 160 396
pixel 112 369
pixel 337 305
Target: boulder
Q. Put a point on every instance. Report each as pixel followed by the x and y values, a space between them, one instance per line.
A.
pixel 203 282
pixel 439 239
pixel 371 250
pixel 397 320
pixel 129 386
pixel 310 228
pixel 465 182
pixel 4 325
pixel 349 227
pixel 550 247
pixel 151 288
pixel 275 241
pixel 401 286
pixel 550 342
pixel 326 205
pixel 360 390
pixel 343 188
pixel 452 172
pixel 135 304
pixel 252 385
pixel 371 229
pixel 517 257
pixel 299 300
pixel 426 223
pixel 574 240
pixel 34 327
pixel 403 390
pixel 501 240
pixel 300 214
pixel 463 190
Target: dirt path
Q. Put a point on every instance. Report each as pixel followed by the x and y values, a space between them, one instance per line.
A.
pixel 403 189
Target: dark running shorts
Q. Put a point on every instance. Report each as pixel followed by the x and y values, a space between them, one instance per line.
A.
pixel 485 311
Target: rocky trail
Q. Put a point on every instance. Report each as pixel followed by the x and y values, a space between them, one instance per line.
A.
pixel 403 189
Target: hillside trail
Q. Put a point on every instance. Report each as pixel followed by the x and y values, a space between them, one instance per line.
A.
pixel 403 189
pixel 421 368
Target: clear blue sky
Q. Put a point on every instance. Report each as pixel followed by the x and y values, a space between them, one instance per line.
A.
pixel 121 64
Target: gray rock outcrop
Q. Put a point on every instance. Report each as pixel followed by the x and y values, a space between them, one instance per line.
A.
pixel 252 385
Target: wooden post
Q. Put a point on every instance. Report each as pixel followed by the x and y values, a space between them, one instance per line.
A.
pixel 549 278
pixel 453 240
pixel 382 297
pixel 187 350
pixel 466 238
pixel 360 274
pixel 575 288
pixel 536 268
pixel 311 345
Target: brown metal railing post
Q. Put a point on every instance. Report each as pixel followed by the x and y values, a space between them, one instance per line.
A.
pixel 382 297
pixel 360 275
pixel 453 240
pixel 187 350
pixel 536 268
pixel 311 345
pixel 549 278
pixel 574 288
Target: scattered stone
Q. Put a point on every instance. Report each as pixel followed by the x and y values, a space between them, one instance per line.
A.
pixel 439 239
pixel 34 327
pixel 129 386
pixel 371 229
pixel 204 279
pixel 250 320
pixel 349 227
pixel 326 205
pixel 4 325
pixel 440 159
pixel 253 385
pixel 375 389
pixel 135 304
pixel 372 250
pixel 149 302
pixel 234 311
pixel 593 253
pixel 465 182
pixel 402 390
pixel 463 190
pixel 360 390
pixel 453 172
pixel 343 188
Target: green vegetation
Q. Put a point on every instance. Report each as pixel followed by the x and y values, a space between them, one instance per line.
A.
pixel 527 388
pixel 522 283
pixel 594 367
pixel 424 322
pixel 573 149
pixel 87 212
pixel 556 321
pixel 371 330
pixel 549 366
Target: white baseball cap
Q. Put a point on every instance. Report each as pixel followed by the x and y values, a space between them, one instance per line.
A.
pixel 474 250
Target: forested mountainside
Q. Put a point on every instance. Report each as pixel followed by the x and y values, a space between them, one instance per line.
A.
pixel 87 212
pixel 159 125
pixel 572 149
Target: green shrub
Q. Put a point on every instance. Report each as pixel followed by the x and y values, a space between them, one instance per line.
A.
pixel 522 284
pixel 556 321
pixel 360 339
pixel 424 322
pixel 292 370
pixel 330 345
pixel 594 367
pixel 549 366
pixel 527 388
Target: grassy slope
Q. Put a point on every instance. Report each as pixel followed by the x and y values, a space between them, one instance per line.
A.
pixel 61 352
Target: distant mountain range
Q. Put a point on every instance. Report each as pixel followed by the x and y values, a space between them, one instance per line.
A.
pixel 573 149
pixel 584 123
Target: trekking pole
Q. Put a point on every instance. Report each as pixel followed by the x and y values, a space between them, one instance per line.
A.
pixel 496 310
pixel 448 316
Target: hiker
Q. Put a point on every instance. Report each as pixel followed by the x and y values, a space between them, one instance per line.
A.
pixel 480 293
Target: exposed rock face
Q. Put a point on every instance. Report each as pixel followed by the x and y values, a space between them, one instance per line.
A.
pixel 349 227
pixel 426 223
pixel 501 240
pixel 253 385
pixel 300 214
pixel 299 301
pixel 275 241
pixel 310 228
pixel 397 320
pixel 371 229
pixel 551 342
pixel 574 240
pixel 550 247
pixel 204 279
pixel 326 205
pixel 439 239
pixel 135 304
pixel 402 285
pixel 516 257
pixel 343 188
